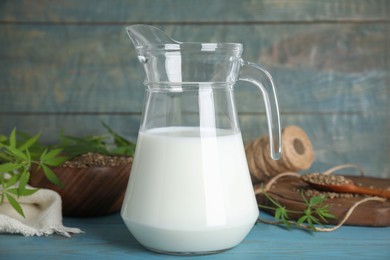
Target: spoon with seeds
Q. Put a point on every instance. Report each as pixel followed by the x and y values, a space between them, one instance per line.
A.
pixel 338 183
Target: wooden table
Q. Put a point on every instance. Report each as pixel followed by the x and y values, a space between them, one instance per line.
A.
pixel 108 238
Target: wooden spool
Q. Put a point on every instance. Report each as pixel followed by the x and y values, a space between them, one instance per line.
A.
pixel 297 154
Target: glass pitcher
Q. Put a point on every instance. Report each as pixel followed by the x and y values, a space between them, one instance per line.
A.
pixel 190 190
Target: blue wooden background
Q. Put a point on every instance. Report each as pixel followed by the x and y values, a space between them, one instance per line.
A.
pixel 68 64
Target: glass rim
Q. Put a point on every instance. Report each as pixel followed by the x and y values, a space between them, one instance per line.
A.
pixel 195 46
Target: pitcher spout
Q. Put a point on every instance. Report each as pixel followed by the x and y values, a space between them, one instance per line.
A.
pixel 169 61
pixel 145 35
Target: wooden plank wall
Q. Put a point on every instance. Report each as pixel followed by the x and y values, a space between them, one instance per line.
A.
pixel 67 65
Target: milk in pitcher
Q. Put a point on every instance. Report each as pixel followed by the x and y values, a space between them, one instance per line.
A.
pixel 189 190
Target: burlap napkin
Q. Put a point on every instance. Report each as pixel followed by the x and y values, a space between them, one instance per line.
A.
pixel 43 216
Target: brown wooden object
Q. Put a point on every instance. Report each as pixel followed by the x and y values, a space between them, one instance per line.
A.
pixel 297 154
pixel 87 192
pixel 373 213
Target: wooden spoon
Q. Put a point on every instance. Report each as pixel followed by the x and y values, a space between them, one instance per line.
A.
pixel 338 183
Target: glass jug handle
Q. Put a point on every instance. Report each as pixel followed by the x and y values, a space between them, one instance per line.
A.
pixel 252 73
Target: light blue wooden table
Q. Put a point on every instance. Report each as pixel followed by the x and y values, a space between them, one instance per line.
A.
pixel 108 238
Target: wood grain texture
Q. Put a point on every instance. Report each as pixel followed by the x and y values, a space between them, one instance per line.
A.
pixel 88 191
pixel 193 11
pixel 287 191
pixel 108 238
pixel 66 65
pixel 89 68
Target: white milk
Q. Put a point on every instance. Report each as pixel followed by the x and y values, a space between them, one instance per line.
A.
pixel 189 194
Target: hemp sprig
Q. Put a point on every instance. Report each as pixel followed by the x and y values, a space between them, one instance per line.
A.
pixel 74 146
pixel 315 213
pixel 20 152
pixel 16 159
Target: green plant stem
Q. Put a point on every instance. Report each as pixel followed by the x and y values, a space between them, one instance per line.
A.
pixel 20 151
pixel 274 208
pixel 315 206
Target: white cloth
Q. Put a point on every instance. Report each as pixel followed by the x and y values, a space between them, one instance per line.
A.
pixel 43 215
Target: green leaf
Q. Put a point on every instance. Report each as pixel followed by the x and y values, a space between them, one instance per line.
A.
pixel 51 176
pixel 49 157
pixel 53 153
pixel 327 215
pixel 29 142
pixel 43 154
pixel 309 221
pixel 278 214
pixel 307 211
pixel 324 213
pixel 15 152
pixel 35 148
pixel 14 204
pixel 128 147
pixel 301 220
pixel 119 140
pixel 24 178
pixel 316 200
pixel 12 181
pixel 2 195
pixel 12 138
pixel 26 192
pixel 55 161
pixel 4 157
pixel 129 150
pixel 75 146
pixel 8 167
pixel 314 220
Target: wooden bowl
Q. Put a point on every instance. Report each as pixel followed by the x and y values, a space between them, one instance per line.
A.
pixel 87 192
